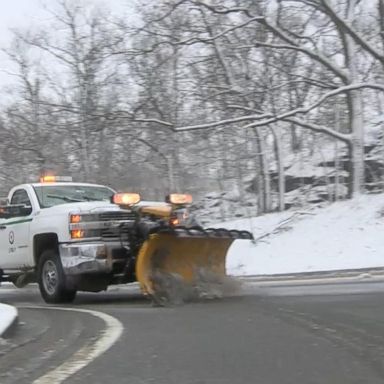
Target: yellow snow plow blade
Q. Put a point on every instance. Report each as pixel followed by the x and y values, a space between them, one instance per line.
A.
pixel 181 255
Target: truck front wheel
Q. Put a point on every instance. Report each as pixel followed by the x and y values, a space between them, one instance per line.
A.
pixel 51 279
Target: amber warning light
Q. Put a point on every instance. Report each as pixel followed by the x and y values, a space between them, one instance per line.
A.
pixel 77 234
pixel 126 198
pixel 178 198
pixel 174 221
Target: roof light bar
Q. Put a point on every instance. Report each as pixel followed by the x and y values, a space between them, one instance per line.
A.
pixel 55 179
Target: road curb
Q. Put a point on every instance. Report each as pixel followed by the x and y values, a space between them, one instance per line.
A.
pixel 8 319
pixel 334 274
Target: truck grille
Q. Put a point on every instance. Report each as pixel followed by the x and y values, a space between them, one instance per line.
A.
pixel 109 233
pixel 109 226
pixel 116 233
pixel 118 215
pixel 113 233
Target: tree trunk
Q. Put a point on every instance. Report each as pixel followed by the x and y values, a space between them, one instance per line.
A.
pixel 356 146
pixel 356 121
pixel 170 171
pixel 280 168
pixel 356 153
pixel 265 185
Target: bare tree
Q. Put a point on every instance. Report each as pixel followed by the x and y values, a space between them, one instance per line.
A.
pixel 341 77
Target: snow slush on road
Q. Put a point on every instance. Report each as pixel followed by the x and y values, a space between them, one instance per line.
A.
pixel 171 289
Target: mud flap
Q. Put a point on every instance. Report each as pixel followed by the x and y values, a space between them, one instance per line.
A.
pixel 183 257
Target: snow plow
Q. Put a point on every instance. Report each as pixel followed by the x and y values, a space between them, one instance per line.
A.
pixel 71 237
pixel 173 254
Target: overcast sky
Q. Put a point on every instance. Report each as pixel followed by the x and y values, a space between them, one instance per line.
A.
pixel 26 13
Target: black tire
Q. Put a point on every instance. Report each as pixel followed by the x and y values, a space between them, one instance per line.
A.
pixel 51 279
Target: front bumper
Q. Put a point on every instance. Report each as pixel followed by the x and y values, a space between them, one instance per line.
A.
pixel 92 258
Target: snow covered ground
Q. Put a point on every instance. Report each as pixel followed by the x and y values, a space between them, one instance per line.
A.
pixel 8 315
pixel 344 235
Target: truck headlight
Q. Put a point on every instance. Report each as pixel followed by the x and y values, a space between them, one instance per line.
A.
pixel 74 219
pixel 91 251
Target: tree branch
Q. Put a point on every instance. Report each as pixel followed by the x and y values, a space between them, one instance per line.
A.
pixel 271 118
pixel 351 31
pixel 346 138
pixel 333 67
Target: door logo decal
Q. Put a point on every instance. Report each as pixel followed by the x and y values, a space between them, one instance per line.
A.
pixel 11 237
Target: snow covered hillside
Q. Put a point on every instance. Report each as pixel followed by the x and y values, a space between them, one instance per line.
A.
pixel 345 235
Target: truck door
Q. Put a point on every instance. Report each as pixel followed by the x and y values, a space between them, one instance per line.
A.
pixel 15 251
pixel 3 244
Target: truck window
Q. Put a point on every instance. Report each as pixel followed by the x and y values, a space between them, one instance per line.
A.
pixel 51 195
pixel 21 197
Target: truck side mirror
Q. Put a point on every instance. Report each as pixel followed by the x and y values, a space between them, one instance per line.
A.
pixel 26 210
pixel 9 211
pixel 3 213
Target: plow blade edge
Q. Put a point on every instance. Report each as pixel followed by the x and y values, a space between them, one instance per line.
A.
pixel 181 255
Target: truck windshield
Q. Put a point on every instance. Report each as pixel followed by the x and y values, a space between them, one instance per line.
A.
pixel 50 195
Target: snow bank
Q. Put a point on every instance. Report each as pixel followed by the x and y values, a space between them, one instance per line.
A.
pixel 8 316
pixel 345 235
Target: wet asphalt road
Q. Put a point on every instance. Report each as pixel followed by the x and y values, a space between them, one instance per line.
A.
pixel 270 333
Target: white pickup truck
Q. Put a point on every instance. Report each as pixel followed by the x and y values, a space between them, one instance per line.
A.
pixel 65 236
